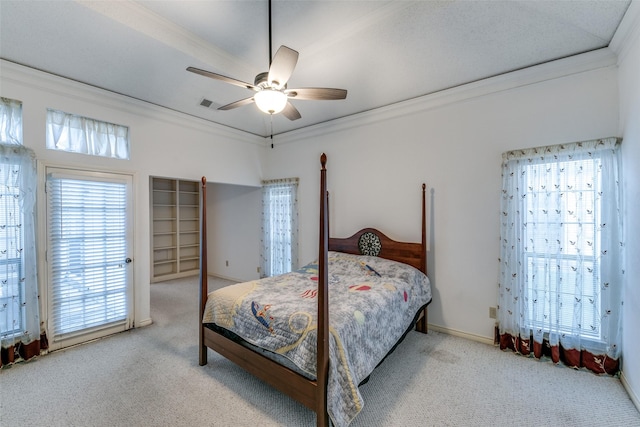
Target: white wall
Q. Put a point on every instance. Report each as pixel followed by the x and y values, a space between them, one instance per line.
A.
pixel 629 85
pixel 453 142
pixel 233 231
pixel 163 143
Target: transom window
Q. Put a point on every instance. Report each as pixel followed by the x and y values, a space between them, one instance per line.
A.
pixel 78 134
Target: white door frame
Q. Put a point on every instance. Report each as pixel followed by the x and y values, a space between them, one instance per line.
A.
pixel 73 172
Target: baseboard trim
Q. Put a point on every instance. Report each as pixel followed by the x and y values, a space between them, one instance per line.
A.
pixel 466 335
pixel 231 279
pixel 634 398
pixel 143 323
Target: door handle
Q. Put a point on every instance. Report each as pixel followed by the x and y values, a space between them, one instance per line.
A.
pixel 128 260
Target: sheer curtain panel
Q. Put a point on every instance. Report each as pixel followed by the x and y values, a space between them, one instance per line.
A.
pixel 10 121
pixel 21 335
pixel 561 258
pixel 279 251
pixel 77 134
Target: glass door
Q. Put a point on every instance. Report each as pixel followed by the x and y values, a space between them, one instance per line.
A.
pixel 89 255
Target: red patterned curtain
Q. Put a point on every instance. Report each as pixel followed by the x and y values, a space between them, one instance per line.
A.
pixel 598 363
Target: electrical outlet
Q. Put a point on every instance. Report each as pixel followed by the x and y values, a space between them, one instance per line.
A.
pixel 258 269
pixel 493 312
pixel 227 263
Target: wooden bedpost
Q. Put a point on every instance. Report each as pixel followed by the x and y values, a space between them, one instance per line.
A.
pixel 322 368
pixel 424 228
pixel 421 325
pixel 203 270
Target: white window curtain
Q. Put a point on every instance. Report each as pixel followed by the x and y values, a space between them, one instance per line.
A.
pixel 10 121
pixel 20 330
pixel 560 287
pixel 279 226
pixel 77 134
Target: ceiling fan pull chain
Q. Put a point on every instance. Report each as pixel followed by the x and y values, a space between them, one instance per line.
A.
pixel 271 119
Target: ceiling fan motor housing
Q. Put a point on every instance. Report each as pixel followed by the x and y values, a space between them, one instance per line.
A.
pixel 262 81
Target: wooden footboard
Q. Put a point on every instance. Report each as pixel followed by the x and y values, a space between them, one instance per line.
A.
pixel 280 377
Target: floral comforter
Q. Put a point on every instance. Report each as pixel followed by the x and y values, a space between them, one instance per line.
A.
pixel 372 302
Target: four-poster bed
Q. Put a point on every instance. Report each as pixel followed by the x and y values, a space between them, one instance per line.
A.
pixel 375 281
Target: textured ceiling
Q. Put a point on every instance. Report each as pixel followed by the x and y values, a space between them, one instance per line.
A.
pixel 382 52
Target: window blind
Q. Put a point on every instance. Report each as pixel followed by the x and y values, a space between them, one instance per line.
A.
pixel 562 240
pixel 87 251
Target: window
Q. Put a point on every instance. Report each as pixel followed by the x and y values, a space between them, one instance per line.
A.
pixel 11 255
pixel 19 304
pixel 77 134
pixel 562 249
pixel 279 226
pixel 562 230
pixel 10 121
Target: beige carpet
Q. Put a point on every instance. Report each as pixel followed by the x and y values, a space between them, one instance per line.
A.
pixel 150 377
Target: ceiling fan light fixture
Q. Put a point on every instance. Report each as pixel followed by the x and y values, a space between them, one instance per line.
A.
pixel 270 101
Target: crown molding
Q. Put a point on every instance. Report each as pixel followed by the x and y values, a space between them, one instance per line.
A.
pixel 600 58
pixel 71 89
pixel 573 65
pixel 628 31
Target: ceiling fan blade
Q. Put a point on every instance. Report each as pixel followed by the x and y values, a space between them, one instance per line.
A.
pixel 284 61
pixel 316 93
pixel 222 78
pixel 236 104
pixel 290 112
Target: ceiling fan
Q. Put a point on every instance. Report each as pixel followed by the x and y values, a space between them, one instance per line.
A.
pixel 271 93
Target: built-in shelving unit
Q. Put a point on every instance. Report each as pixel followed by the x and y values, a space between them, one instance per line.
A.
pixel 175 224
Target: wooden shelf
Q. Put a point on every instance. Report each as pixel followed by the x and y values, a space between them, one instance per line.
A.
pixel 175 223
